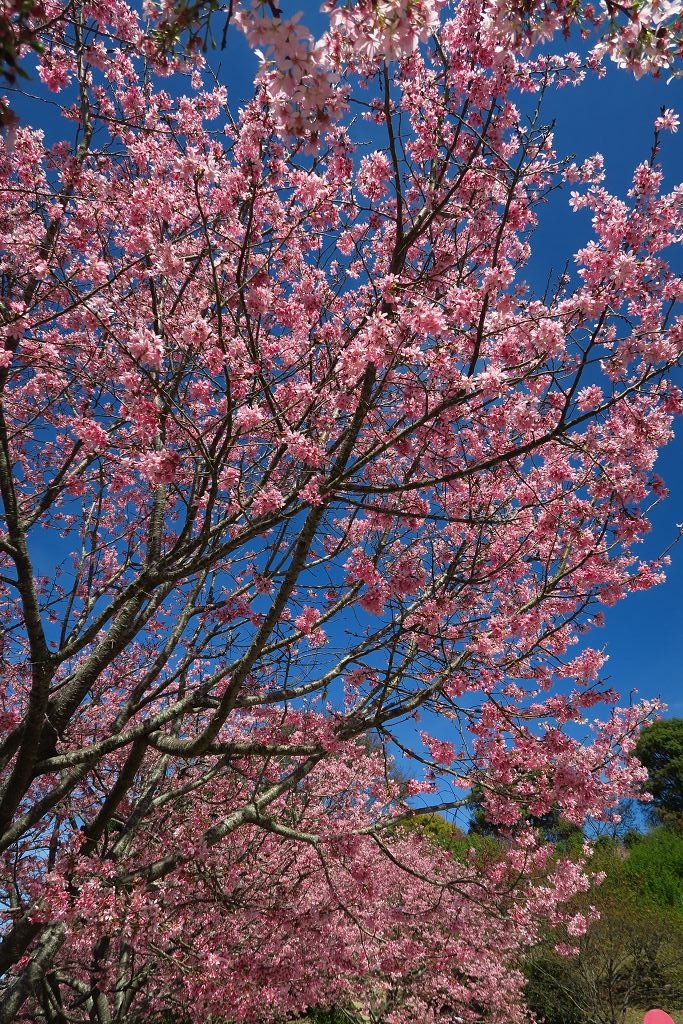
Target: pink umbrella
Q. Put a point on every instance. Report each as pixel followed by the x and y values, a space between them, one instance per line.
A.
pixel 657 1017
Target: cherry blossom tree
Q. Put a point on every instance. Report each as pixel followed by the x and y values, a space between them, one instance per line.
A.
pixel 307 904
pixel 291 458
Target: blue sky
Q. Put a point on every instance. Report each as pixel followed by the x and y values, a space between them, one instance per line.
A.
pixel 643 634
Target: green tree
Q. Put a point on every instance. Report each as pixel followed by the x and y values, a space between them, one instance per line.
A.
pixel 660 749
pixel 632 957
pixel 653 870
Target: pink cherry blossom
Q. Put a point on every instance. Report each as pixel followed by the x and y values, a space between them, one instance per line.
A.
pixel 668 120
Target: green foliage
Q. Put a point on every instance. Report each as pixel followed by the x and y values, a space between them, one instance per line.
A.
pixel 479 823
pixel 660 749
pixel 333 1015
pixel 551 981
pixel 654 870
pixel 567 837
pixel 631 957
pixel 451 838
pixel 438 829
